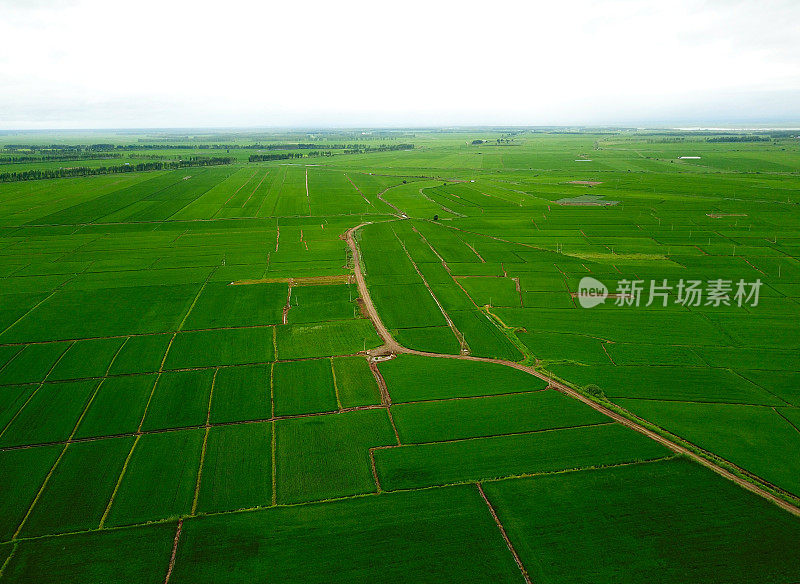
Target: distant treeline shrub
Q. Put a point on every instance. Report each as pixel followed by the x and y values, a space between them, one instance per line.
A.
pixel 784 134
pixel 59 157
pixel 595 390
pixel 328 152
pixel 61 148
pixel 349 148
pixel 266 157
pixel 749 138
pixel 36 174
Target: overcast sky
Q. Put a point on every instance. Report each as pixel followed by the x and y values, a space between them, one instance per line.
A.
pixel 192 63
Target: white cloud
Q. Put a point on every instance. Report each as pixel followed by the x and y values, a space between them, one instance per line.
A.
pixel 95 63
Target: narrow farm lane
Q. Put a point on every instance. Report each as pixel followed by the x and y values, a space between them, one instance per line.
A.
pixel 391 346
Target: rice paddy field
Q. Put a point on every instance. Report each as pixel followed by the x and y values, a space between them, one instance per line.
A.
pixel 374 364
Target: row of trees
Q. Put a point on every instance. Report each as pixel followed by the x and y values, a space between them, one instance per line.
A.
pixel 266 157
pixel 60 148
pixel 44 173
pixel 304 146
pixel 497 141
pixel 347 147
pixel 359 150
pixel 750 138
pixel 59 157
pixel 315 153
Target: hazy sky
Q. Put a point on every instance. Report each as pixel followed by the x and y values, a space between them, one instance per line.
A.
pixel 178 63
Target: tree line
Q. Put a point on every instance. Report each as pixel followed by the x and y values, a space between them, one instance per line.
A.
pixel 45 173
pixel 739 139
pixel 315 153
pixel 60 148
pixel 266 157
pixel 59 157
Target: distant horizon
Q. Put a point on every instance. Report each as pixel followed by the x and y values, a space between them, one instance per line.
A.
pixel 710 127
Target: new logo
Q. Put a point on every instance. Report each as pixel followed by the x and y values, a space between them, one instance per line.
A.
pixel 591 292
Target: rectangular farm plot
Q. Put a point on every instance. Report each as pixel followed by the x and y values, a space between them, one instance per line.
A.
pixel 447 243
pixel 421 536
pixel 547 300
pixel 750 358
pixel 331 194
pixel 641 354
pixel 33 363
pixel 547 346
pixel 416 378
pixel 433 339
pixel 67 503
pixel 406 305
pixel 86 359
pixel 221 347
pixel 321 303
pixel 692 524
pixel 792 416
pixel 160 479
pixel 6 549
pixel 105 312
pixel 442 463
pixel 118 406
pixel 15 306
pixel 138 555
pixel 22 473
pixel 388 265
pixel 223 305
pixel 783 384
pixel 472 269
pixel 8 352
pixel 453 419
pixel 50 415
pixel 237 469
pixel 492 291
pixel 303 387
pixel 448 293
pixel 545 281
pixel 12 398
pixel 355 383
pixel 668 383
pixel 180 399
pixel 322 457
pixel 670 326
pixel 483 337
pixel 344 337
pixel 756 438
pixel 141 354
pixel 241 393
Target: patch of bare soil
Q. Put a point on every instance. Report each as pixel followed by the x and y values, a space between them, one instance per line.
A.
pixel 304 281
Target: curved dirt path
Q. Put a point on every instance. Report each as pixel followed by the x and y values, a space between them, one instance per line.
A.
pixel 391 346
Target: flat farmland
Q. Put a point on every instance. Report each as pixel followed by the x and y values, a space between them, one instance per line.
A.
pixel 748 542
pixel 364 357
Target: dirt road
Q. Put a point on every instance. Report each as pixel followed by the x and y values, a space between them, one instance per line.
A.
pixel 390 345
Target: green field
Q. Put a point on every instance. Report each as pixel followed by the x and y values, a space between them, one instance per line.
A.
pixel 468 460
pixel 688 522
pixel 188 363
